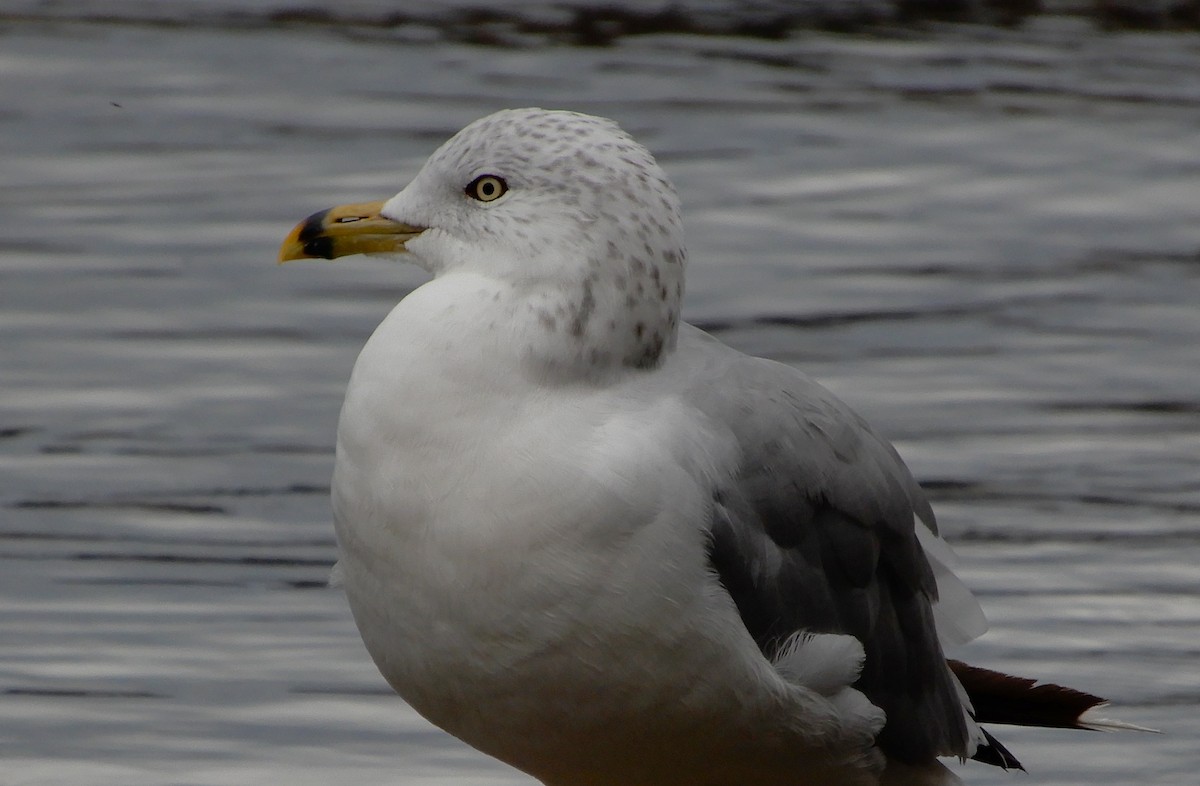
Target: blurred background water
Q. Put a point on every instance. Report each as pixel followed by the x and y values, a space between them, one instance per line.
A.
pixel 985 237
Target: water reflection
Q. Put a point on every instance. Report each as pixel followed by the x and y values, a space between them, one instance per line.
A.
pixel 985 240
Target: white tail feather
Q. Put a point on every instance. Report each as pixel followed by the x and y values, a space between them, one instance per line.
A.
pixel 337 576
pixel 1090 720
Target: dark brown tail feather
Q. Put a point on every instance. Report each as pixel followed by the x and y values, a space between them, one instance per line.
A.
pixel 1002 698
pixel 1018 701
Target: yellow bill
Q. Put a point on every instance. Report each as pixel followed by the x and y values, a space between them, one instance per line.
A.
pixel 345 230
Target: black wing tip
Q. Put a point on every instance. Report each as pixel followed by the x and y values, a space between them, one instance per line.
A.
pixel 994 753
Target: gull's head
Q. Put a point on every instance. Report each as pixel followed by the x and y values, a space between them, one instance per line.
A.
pixel 565 209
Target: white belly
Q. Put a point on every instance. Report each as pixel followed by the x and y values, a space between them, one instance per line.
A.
pixel 533 579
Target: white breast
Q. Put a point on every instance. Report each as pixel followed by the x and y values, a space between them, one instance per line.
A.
pixel 541 560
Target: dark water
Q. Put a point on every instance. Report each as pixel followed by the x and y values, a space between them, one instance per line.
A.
pixel 987 241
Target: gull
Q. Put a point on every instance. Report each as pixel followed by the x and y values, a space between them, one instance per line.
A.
pixel 597 544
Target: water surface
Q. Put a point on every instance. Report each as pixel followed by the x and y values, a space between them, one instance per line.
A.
pixel 987 241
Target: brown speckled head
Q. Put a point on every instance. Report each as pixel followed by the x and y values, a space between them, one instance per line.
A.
pixel 586 225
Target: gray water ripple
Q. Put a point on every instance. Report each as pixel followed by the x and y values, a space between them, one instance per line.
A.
pixel 984 239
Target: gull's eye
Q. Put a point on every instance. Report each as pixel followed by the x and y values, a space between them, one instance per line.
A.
pixel 486 188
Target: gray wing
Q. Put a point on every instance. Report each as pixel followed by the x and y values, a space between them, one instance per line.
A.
pixel 817 532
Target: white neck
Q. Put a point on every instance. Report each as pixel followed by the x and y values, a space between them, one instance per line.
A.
pixel 473 326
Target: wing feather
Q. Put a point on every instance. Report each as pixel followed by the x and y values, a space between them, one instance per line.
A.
pixel 818 531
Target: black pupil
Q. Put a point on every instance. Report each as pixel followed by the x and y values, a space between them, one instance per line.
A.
pixel 487 188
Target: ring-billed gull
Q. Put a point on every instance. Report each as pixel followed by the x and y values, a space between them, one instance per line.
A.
pixel 599 545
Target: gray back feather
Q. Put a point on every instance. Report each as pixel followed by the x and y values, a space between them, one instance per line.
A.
pixel 816 532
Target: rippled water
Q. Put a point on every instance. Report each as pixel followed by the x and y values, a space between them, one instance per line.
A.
pixel 987 241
